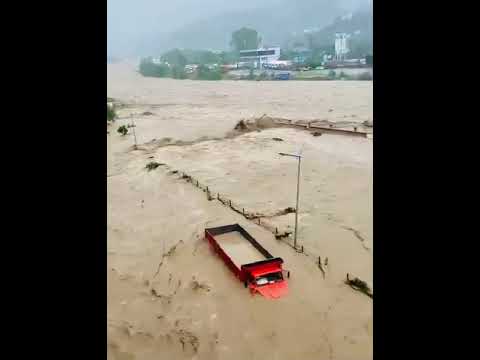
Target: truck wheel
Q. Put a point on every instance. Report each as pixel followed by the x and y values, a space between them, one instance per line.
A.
pixel 245 284
pixel 288 274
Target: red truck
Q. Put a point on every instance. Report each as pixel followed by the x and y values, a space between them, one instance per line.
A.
pixel 248 260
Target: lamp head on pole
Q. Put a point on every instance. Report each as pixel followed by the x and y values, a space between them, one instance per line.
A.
pixel 292 155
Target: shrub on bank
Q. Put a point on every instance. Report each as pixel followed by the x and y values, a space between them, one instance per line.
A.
pixel 263 76
pixel 122 130
pixel 204 73
pixel 365 76
pixel 177 71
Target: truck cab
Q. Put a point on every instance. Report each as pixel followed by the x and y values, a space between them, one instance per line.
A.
pixel 267 279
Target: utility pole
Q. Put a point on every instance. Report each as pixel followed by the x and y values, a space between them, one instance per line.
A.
pixel 134 134
pixel 299 157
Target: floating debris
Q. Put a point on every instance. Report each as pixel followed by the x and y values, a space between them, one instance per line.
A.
pixel 359 285
pixel 209 195
pixel 285 234
pixel 187 337
pixel 368 123
pixel 321 267
pixel 196 285
pixel 153 165
pixel 241 125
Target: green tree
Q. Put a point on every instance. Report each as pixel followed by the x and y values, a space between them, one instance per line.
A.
pixel 364 76
pixel 111 115
pixel 359 49
pixel 148 68
pixel 287 55
pixel 174 57
pixel 178 72
pixel 228 57
pixel 201 56
pixel 244 39
pixel 204 73
pixel 208 57
pixel 369 59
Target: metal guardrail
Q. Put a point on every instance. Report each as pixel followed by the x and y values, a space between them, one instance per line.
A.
pixel 329 129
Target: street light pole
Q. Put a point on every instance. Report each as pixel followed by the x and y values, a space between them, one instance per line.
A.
pixel 135 101
pixel 296 208
pixel 134 134
pixel 299 157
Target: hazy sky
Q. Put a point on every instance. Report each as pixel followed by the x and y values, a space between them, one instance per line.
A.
pixel 130 21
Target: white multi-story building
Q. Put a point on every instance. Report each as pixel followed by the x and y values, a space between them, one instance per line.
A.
pixel 260 56
pixel 341 46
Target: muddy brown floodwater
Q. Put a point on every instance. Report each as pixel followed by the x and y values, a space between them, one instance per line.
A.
pixel 169 295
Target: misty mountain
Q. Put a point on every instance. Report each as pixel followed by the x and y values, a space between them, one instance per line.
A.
pixel 141 26
pixel 150 27
pixel 358 24
pixel 275 23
